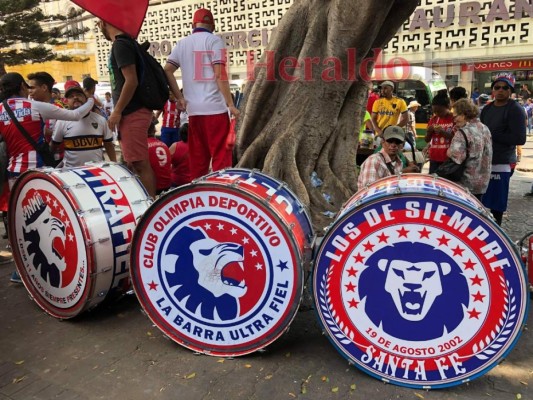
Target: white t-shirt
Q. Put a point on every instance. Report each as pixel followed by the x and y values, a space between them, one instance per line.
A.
pixel 83 139
pixel 195 55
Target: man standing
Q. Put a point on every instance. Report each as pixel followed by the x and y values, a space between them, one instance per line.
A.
pixel 387 161
pixel 83 139
pixel 30 114
pixel 388 110
pixel 40 89
pixel 505 119
pixel 129 116
pixel 202 59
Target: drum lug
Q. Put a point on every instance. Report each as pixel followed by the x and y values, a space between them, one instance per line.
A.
pixel 124 178
pixel 102 293
pixel 101 240
pixel 81 213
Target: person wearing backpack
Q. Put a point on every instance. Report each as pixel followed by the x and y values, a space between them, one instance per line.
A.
pixel 130 116
pixel 202 60
pixel 506 120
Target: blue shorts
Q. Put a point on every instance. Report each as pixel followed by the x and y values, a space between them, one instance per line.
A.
pixel 170 135
pixel 497 194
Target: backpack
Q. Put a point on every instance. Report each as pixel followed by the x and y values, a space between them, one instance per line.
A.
pixel 153 85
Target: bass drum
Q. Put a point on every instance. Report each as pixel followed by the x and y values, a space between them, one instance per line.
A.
pixel 417 286
pixel 218 264
pixel 70 232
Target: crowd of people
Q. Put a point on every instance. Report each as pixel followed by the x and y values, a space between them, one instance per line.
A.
pixel 195 122
pixel 79 127
pixel 482 134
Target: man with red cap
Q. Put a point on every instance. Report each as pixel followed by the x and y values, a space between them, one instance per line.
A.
pixel 202 60
pixel 84 140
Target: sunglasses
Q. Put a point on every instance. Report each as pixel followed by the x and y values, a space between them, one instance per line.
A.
pixel 498 87
pixel 395 141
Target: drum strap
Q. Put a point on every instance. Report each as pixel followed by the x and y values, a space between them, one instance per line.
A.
pixel 19 125
pixel 388 164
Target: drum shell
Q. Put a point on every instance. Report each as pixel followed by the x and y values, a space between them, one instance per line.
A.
pixel 413 222
pixel 412 183
pixel 97 207
pixel 215 211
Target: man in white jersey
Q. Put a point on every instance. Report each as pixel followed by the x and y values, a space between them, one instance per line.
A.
pixel 83 139
pixel 202 60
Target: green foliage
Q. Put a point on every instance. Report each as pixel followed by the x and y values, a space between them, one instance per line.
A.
pixel 22 21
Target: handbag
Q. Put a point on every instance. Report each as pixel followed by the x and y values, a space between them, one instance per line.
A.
pixel 452 171
pixel 230 140
pixel 42 148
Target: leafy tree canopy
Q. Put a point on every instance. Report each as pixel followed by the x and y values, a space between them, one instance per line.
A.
pixel 22 21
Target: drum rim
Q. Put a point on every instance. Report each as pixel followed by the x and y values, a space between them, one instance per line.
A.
pixel 258 172
pixel 167 329
pixel 409 175
pixel 81 304
pixel 482 370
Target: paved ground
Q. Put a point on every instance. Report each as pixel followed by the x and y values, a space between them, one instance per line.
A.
pixel 114 352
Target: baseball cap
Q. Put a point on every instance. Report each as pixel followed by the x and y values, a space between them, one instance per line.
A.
pixel 71 86
pixel 89 83
pixel 203 16
pixel 506 77
pixel 394 132
pixel 483 98
pixel 388 83
pixel 414 103
pixel 11 82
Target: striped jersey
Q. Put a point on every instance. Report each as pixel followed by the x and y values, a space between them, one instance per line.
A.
pixel 31 115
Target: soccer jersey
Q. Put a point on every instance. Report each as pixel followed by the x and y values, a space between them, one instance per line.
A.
pixel 388 111
pixel 30 114
pixel 83 140
pixel 161 162
pixel 195 55
pixel 170 114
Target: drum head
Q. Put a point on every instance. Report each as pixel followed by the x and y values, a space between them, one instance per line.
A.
pixel 420 291
pixel 216 270
pixel 49 244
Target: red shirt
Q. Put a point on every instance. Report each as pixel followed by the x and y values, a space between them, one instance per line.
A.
pixel 440 144
pixel 181 173
pixel 372 97
pixel 170 114
pixel 160 160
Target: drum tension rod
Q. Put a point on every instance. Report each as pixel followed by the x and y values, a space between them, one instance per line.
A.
pixel 90 210
pixel 101 240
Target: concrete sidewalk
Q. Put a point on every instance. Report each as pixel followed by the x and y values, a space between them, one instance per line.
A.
pixel 114 352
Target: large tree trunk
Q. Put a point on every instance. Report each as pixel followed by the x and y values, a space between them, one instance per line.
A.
pixel 290 129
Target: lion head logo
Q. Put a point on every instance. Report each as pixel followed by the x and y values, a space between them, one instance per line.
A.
pixel 414 291
pixel 199 274
pixel 44 232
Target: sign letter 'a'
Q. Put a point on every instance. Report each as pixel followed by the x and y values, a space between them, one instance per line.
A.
pixel 125 15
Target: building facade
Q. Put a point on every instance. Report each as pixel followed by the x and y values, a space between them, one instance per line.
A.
pixel 465 41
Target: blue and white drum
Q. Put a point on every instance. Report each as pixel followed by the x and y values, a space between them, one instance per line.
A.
pixel 419 289
pixel 218 264
pixel 70 231
pixel 432 185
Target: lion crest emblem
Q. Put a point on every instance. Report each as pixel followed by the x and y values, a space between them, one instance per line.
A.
pixel 199 277
pixel 414 291
pixel 46 237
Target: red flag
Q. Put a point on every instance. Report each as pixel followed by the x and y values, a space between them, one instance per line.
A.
pixel 126 15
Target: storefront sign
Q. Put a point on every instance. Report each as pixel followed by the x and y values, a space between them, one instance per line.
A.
pixel 469 13
pixel 498 65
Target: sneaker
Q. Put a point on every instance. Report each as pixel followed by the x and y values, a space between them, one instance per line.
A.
pixel 15 277
pixel 5 259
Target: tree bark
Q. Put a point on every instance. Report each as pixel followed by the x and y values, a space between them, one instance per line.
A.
pixel 303 119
